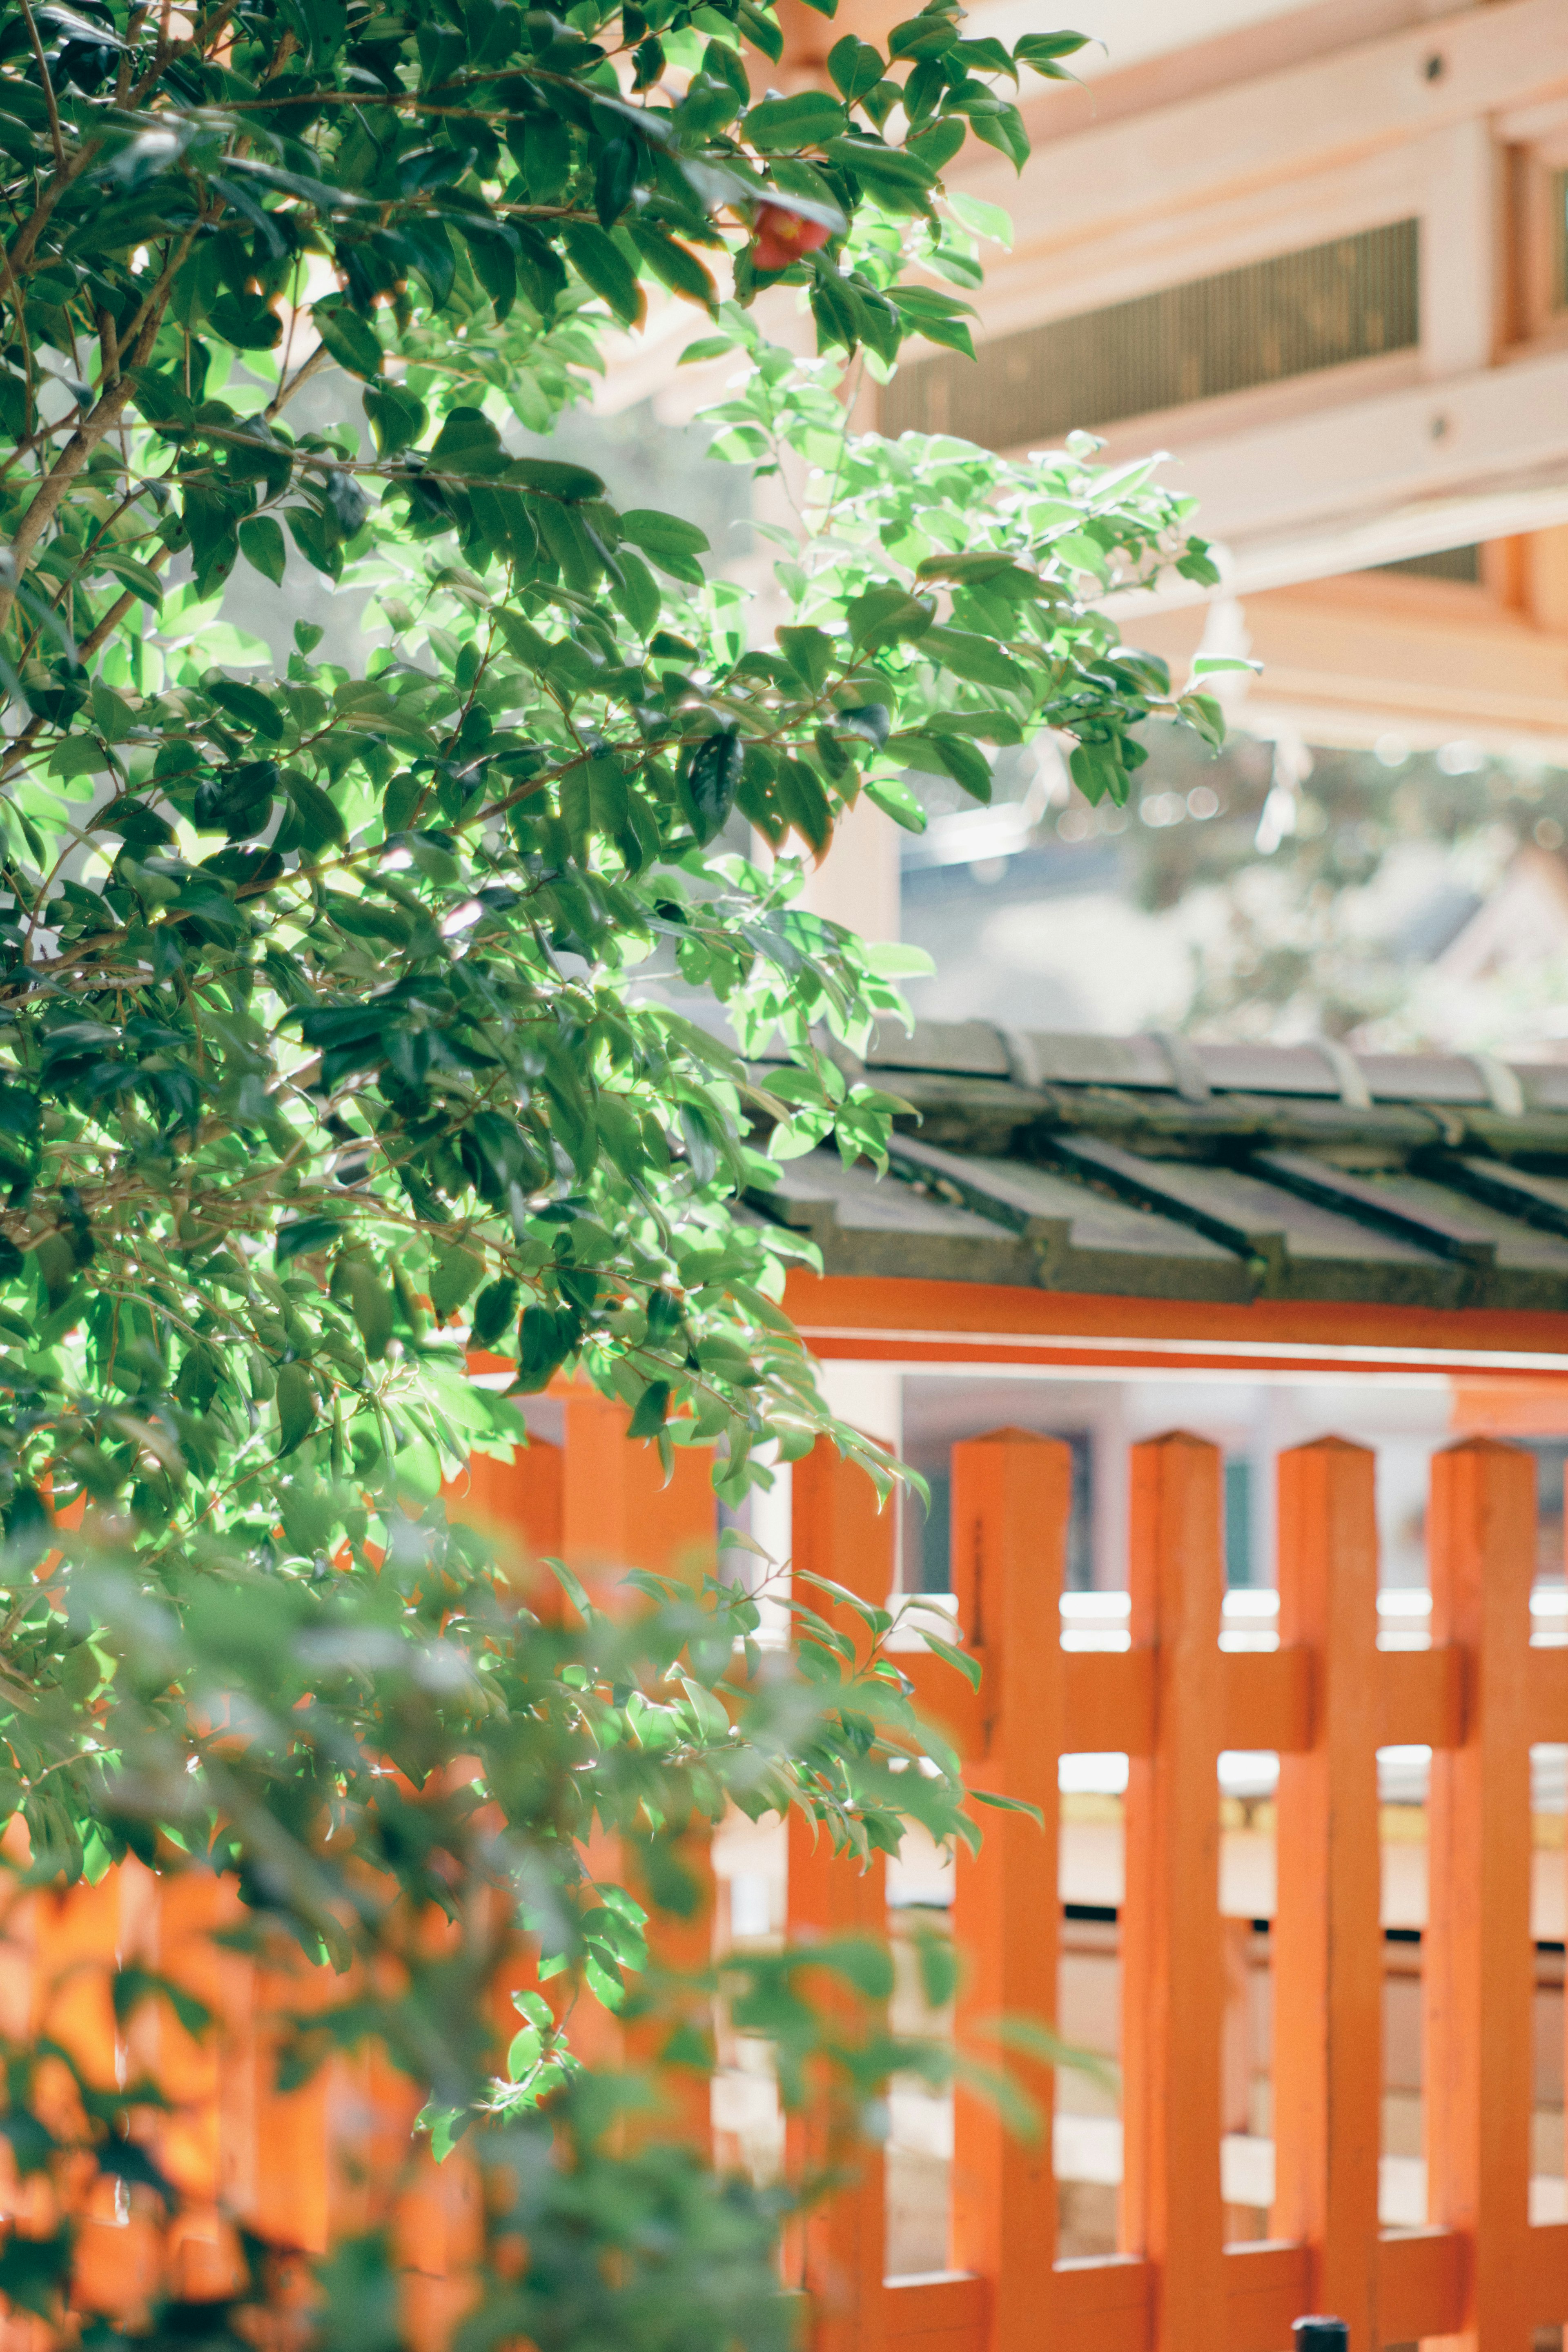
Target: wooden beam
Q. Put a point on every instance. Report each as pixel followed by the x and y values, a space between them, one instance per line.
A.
pixel 1426 659
pixel 1292 500
pixel 1315 117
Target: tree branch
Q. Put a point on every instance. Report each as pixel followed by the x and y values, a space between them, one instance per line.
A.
pixel 100 420
pixel 59 143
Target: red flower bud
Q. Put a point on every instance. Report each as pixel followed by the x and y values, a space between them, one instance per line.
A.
pixel 781 236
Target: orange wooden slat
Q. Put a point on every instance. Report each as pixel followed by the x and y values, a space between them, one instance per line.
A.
pixel 1546 2259
pixel 1421 1701
pixel 1104 2306
pixel 1478 1964
pixel 1266 2287
pixel 1546 1693
pixel 518 1506
pixel 616 1509
pixel 1267 1697
pixel 1011 1493
pixel 947 2312
pixel 838 1532
pixel 618 1512
pixel 1110 1701
pixel 1420 2284
pixel 1173 1975
pixel 291 2194
pixel 1328 1938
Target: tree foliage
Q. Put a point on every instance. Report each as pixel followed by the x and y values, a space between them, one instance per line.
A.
pixel 350 1024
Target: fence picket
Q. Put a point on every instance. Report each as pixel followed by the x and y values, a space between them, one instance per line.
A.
pixel 1011 1496
pixel 838 1532
pixel 1173 1971
pixel 1478 1985
pixel 1328 1955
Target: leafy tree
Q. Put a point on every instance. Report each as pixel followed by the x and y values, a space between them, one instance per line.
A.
pixel 330 1048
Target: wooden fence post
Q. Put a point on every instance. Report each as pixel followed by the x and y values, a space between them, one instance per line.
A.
pixel 1173 1966
pixel 617 1512
pixel 1477 1962
pixel 1011 1497
pixel 1328 1936
pixel 838 1532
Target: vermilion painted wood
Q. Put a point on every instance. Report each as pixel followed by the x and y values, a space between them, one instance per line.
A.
pixel 618 1512
pixel 1011 1493
pixel 1546 1694
pixel 1173 1988
pixel 1268 1696
pixel 1421 1697
pixel 1477 1970
pixel 878 1318
pixel 1104 2305
pixel 1328 1938
pixel 838 1533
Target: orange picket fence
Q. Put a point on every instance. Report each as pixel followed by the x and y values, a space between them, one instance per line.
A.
pixel 1325 1699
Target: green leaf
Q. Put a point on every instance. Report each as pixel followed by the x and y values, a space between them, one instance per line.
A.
pixel 970 656
pixel 350 341
pixel 297 1407
pixel 676 266
pixel 304 1237
pixel 316 822
pixel 248 705
pixel 603 268
pixel 854 66
pixel 651 1410
pixel 495 1312
pixel 713 781
pixel 468 443
pixel 887 616
pixel 673 543
pixel 896 801
pixel 261 542
pixel 455 1273
pixel 810 653
pixel 783 125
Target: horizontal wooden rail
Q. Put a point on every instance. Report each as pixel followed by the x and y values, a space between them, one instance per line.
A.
pixel 1267 1696
pixel 1105 2301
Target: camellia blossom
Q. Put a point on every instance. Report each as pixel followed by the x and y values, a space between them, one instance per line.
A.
pixel 783 237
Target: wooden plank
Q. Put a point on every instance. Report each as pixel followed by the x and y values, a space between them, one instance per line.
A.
pixel 1477 1955
pixel 882 1318
pixel 618 1512
pixel 838 1532
pixel 1109 1702
pixel 1267 487
pixel 518 1506
pixel 1546 2257
pixel 1420 1697
pixel 946 2312
pixel 1267 1697
pixel 1104 2306
pixel 1173 1973
pixel 1328 1943
pixel 1420 2284
pixel 1012 1496
pixel 1265 2288
pixel 1546 1693
pixel 616 1509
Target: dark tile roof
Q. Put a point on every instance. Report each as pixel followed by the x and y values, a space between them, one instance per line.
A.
pixel 1153 1167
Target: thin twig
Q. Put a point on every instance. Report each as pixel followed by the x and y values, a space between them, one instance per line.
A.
pixel 306 369
pixel 48 87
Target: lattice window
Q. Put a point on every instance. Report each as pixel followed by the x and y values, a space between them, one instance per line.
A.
pixel 1446 564
pixel 1351 299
